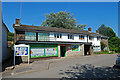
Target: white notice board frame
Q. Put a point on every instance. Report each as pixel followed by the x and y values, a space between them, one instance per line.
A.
pixel 21 45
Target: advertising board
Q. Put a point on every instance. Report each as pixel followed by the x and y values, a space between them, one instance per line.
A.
pixel 51 51
pixel 37 52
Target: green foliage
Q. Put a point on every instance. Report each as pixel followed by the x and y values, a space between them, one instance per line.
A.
pixel 102 45
pixel 12 46
pixel 81 27
pixel 107 31
pixel 114 44
pixel 104 52
pixel 113 41
pixel 10 36
pixel 61 20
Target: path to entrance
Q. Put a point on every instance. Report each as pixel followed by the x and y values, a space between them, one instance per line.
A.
pixel 99 66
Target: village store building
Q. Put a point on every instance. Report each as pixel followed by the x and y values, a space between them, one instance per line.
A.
pixel 59 42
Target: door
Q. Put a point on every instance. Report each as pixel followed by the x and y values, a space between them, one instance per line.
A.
pixel 63 51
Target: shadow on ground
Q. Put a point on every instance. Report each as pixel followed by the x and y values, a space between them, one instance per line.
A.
pixel 9 62
pixel 89 71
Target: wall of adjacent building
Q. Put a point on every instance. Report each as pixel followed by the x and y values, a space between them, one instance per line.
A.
pixel 5 50
pixel 0 33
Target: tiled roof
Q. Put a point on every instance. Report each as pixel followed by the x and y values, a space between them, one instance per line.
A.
pixel 51 29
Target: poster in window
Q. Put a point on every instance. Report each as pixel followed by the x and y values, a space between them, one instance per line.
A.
pixel 37 52
pixel 21 51
pixel 51 51
pixel 75 47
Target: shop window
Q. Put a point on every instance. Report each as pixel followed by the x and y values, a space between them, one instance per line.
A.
pixel 81 37
pixel 75 48
pixel 30 35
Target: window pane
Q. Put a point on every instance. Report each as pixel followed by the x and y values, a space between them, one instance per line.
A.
pixel 60 35
pixel 68 36
pixel 27 35
pixel 30 35
pixel 43 36
pixel 91 37
pixel 57 35
pixel 83 37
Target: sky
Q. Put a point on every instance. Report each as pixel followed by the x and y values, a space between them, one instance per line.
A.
pixel 94 14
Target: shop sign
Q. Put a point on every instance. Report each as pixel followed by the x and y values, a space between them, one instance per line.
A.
pixel 21 50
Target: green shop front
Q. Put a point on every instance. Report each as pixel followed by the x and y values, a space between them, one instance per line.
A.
pixel 43 50
pixel 51 50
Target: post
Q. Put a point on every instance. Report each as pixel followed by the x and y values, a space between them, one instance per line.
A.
pixel 14 55
pixel 28 54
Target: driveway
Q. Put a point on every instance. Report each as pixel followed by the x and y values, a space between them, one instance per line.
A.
pixel 95 66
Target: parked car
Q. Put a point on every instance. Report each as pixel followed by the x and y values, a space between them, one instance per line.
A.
pixel 117 65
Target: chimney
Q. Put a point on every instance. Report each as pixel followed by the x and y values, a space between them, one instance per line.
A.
pixel 89 29
pixel 97 31
pixel 17 22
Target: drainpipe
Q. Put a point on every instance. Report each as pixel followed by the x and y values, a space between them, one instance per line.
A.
pixel 87 38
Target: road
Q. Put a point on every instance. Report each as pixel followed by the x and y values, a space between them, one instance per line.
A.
pixel 96 66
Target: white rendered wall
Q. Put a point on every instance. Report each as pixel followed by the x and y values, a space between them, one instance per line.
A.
pixel 95 42
pixel 65 38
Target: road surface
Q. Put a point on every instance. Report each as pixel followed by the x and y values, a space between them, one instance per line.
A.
pixel 96 66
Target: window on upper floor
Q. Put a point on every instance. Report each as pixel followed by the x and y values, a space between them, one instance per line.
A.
pixel 81 37
pixel 98 38
pixel 43 36
pixel 70 36
pixel 91 37
pixel 58 35
pixel 30 35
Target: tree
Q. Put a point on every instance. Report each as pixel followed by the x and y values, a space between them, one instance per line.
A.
pixel 81 27
pixel 107 31
pixel 113 41
pixel 61 19
pixel 10 36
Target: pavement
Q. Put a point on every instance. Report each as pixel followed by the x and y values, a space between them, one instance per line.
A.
pixel 32 67
pixel 96 66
